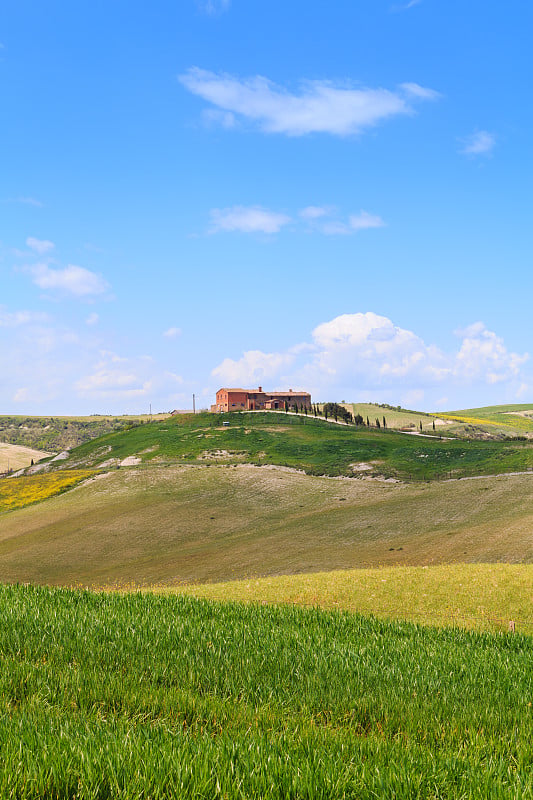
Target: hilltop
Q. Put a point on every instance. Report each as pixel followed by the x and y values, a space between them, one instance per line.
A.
pixel 301 442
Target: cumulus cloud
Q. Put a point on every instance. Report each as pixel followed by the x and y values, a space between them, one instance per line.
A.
pixel 484 354
pixel 247 219
pixel 40 246
pixel 252 368
pixel 340 109
pixel 72 280
pixel 481 143
pixel 365 354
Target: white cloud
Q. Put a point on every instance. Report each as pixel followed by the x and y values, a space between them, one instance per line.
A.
pixel 213 7
pixel 365 355
pixel 247 219
pixel 40 246
pixel 92 319
pixel 364 220
pixel 322 219
pixel 105 381
pixel 420 92
pixel 481 143
pixel 314 212
pixel 483 355
pixel 27 201
pixel 73 280
pixel 172 333
pixel 340 109
pixel 21 395
pixel 12 319
pixel 252 368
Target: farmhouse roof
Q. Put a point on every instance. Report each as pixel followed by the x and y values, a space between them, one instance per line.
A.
pixel 285 394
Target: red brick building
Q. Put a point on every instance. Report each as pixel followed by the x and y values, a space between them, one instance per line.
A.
pixel 258 400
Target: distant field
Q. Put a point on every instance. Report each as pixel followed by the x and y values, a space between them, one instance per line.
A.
pixel 54 434
pixel 396 417
pixel 514 419
pixel 473 596
pixel 150 526
pixel 136 696
pixel 14 457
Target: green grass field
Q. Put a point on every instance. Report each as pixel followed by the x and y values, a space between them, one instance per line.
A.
pixel 135 696
pixel 305 443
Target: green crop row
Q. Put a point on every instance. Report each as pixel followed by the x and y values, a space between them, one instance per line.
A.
pixel 136 696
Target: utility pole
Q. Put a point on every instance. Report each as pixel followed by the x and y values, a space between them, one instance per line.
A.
pixel 150 412
pixel 193 404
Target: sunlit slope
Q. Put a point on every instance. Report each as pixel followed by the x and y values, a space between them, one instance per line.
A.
pixel 313 445
pixel 513 419
pixel 152 525
pixel 474 596
pixel 13 457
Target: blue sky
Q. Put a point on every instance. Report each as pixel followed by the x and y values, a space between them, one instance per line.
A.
pixel 332 197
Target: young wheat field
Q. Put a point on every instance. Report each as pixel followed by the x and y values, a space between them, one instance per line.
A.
pixel 135 696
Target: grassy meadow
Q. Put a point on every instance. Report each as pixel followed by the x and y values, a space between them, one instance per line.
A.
pixel 312 445
pixel 134 696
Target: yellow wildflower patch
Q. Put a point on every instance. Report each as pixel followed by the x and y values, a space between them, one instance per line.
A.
pixel 468 420
pixel 23 491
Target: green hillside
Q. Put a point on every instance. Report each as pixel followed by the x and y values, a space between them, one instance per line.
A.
pixel 138 696
pixel 313 445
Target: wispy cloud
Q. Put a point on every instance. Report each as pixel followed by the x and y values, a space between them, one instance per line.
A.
pixel 40 246
pixel 13 319
pixel 324 219
pixel 339 109
pixel 247 219
pixel 172 333
pixel 314 212
pixel 480 143
pixel 364 221
pixel 213 7
pixel 28 201
pixel 319 219
pixel 73 280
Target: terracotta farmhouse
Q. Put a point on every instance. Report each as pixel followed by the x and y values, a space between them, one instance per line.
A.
pixel 258 400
